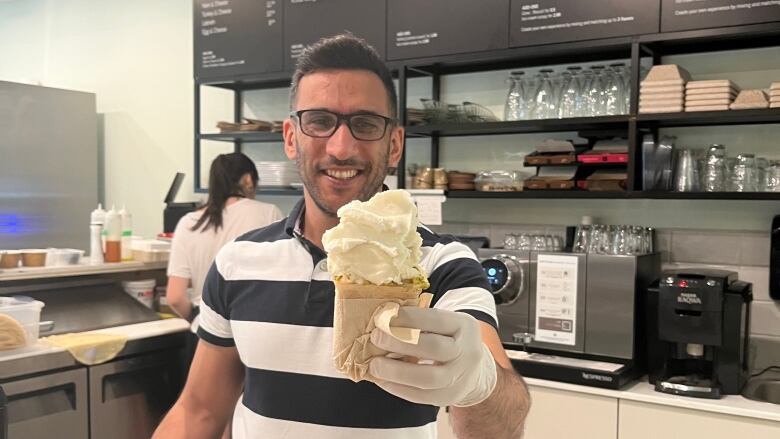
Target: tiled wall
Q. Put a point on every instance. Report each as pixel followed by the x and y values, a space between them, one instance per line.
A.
pixel 747 253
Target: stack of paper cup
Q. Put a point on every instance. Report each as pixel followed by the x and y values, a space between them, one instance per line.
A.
pixel 774 95
pixel 663 90
pixel 712 95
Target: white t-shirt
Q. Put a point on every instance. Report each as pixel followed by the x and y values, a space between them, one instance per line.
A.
pixel 193 252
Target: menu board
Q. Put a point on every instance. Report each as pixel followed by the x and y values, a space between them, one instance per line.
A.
pixel 306 21
pixel 420 28
pixel 698 14
pixel 556 299
pixel 554 21
pixel 237 37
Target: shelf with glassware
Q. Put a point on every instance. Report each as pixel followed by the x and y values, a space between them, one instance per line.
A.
pixel 593 101
pixel 636 123
pixel 718 94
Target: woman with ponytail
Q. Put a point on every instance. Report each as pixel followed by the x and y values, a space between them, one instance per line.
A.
pixel 230 212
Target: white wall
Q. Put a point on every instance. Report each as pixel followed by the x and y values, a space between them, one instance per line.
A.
pixel 137 58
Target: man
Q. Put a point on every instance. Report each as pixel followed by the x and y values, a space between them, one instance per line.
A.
pixel 267 308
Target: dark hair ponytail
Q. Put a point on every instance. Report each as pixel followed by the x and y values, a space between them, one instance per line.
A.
pixel 225 182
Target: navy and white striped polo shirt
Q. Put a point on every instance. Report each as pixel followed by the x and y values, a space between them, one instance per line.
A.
pixel 269 294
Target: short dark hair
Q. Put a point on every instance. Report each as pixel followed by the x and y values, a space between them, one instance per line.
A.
pixel 343 52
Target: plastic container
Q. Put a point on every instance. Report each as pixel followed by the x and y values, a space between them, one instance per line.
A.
pixel 497 181
pixel 141 290
pixel 113 228
pixel 27 312
pixel 97 221
pixel 151 255
pixel 58 257
pixel 126 221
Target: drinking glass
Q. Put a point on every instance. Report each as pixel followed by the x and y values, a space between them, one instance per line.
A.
pixel 620 241
pixel 571 102
pixel 614 90
pixel 595 91
pixel 761 166
pixel 581 239
pixel 744 177
pixel 557 243
pixel 524 242
pixel 539 243
pixel 596 238
pixel 510 241
pixel 773 176
pixel 686 175
pixel 516 107
pixel 544 100
pixel 715 169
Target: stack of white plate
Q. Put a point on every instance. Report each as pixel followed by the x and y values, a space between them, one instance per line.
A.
pixel 278 174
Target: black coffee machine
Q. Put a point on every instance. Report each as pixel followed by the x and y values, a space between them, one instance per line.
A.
pixel 697 327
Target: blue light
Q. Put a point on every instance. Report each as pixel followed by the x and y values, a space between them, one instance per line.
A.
pixel 10 225
pixel 491 271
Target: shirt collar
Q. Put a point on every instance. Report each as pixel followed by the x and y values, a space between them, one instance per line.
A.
pixel 293 223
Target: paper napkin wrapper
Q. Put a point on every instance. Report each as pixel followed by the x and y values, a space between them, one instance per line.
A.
pixel 358 310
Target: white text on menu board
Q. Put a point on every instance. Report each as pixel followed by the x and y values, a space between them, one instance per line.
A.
pixel 209 11
pixel 556 299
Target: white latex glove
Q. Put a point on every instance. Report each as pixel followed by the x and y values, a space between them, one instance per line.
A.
pixel 463 372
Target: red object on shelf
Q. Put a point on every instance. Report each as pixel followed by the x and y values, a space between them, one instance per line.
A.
pixel 605 157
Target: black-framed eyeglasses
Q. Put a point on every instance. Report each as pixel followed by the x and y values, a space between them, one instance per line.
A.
pixel 323 123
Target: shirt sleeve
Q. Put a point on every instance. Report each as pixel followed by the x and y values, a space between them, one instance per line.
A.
pixel 458 282
pixel 276 214
pixel 214 310
pixel 177 261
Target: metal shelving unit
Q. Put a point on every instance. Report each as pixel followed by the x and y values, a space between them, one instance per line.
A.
pixel 634 125
pixel 244 137
pixel 521 127
pixel 710 118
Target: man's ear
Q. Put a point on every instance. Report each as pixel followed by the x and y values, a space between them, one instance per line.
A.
pixel 396 146
pixel 288 131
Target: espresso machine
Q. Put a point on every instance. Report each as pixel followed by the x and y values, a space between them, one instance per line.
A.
pixel 571 317
pixel 698 330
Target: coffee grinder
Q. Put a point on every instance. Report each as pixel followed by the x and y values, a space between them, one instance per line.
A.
pixel 698 326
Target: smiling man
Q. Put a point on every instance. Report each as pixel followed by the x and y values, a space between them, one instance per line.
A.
pixel 267 309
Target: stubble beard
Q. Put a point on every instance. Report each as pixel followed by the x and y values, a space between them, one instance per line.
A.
pixel 372 186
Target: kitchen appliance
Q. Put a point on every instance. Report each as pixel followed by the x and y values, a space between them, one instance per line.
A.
pixel 774 259
pixel 174 211
pixel 569 316
pixel 49 395
pixel 698 331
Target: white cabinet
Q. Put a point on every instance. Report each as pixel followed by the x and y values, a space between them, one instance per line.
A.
pixel 557 413
pixel 640 420
pixel 564 414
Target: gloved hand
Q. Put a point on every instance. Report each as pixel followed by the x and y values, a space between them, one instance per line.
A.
pixel 462 373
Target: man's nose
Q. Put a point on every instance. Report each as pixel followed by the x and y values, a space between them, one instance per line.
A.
pixel 342 145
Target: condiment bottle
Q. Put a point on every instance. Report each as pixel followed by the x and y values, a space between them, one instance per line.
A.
pixel 113 236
